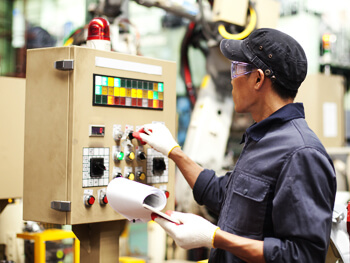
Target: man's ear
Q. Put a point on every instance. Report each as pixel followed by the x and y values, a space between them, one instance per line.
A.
pixel 260 78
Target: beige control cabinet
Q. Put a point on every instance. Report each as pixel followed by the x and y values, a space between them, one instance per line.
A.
pixel 12 103
pixel 81 105
pixel 323 99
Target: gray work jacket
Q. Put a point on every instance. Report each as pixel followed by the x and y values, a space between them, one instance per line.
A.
pixel 281 191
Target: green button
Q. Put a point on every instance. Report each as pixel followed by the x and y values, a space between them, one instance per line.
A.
pixel 120 156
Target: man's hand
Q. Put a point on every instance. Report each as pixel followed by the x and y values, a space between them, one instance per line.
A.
pixel 194 232
pixel 158 137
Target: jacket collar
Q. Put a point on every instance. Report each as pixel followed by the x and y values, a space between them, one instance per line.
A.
pixel 286 113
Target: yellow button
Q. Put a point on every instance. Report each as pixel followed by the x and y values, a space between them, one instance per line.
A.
pixel 142 176
pixel 131 156
pixel 131 176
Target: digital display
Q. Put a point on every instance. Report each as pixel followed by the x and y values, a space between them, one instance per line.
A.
pixel 128 93
pixel 97 130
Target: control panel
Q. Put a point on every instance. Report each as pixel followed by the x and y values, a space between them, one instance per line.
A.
pixel 79 130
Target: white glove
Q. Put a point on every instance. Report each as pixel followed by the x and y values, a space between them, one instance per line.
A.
pixel 159 138
pixel 194 232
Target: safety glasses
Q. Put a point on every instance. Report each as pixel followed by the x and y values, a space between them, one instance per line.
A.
pixel 240 68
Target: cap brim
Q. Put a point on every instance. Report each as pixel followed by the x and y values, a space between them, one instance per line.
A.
pixel 232 50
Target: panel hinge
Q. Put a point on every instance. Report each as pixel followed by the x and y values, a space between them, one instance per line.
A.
pixel 63 206
pixel 66 64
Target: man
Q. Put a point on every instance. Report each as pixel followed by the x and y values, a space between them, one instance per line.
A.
pixel 276 205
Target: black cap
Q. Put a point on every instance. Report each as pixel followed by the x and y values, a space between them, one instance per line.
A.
pixel 279 55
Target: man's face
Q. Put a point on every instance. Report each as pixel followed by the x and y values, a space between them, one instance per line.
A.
pixel 243 92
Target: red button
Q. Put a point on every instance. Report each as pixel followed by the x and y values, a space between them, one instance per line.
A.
pixel 105 200
pixel 167 194
pixel 91 200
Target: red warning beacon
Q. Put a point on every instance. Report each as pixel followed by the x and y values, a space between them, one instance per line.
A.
pixel 98 34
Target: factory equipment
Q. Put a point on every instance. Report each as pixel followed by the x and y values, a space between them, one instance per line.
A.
pixel 322 96
pixel 82 106
pixel 12 101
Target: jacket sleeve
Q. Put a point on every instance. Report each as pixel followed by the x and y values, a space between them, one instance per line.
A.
pixel 209 190
pixel 302 209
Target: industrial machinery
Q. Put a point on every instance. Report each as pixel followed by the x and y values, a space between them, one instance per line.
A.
pixel 12 139
pixel 12 103
pixel 81 107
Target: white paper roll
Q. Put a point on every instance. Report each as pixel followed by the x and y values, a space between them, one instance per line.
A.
pixel 127 197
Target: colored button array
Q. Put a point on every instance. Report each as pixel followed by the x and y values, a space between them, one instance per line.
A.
pixel 122 92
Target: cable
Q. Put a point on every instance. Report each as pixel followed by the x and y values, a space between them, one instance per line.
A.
pixel 184 64
pixel 246 32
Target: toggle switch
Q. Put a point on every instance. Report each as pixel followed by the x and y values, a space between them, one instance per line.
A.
pixel 117 135
pixel 130 135
pixel 89 200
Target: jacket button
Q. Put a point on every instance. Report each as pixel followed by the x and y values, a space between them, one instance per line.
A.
pixel 245 191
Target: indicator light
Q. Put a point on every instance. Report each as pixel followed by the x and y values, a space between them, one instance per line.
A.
pixel 98 34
